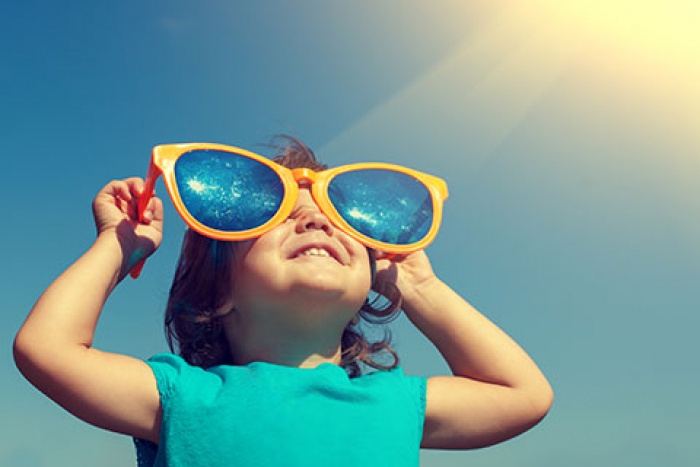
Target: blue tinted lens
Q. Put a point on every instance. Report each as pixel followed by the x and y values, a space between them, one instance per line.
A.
pixel 227 191
pixel 384 205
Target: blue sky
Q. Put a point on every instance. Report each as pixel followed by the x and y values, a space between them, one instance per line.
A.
pixel 567 132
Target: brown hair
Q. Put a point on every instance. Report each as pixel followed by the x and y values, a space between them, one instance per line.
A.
pixel 202 283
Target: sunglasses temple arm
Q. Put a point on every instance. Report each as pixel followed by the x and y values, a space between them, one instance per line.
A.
pixel 136 270
pixel 145 197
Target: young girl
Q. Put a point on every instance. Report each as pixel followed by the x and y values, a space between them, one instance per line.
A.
pixel 265 310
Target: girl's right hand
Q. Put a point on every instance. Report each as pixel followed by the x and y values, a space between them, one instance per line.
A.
pixel 54 347
pixel 115 210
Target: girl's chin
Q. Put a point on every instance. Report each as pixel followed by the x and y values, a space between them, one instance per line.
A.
pixel 323 289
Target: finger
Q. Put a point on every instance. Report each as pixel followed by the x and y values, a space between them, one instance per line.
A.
pixel 119 190
pixel 156 206
pixel 153 211
pixel 136 185
pixel 137 188
pixel 393 257
pixel 381 254
pixel 125 197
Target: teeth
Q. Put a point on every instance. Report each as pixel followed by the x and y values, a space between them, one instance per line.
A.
pixel 316 252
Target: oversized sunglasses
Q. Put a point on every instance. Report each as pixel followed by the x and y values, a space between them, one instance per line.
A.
pixel 228 193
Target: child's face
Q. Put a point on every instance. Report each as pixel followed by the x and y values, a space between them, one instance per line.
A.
pixel 306 266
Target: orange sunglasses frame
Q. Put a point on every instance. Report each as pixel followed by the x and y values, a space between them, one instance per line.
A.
pixel 165 156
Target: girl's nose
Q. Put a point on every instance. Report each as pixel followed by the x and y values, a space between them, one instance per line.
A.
pixel 313 219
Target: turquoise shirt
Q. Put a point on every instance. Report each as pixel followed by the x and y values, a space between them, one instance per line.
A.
pixel 263 414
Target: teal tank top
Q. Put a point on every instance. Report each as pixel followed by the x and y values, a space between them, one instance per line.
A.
pixel 263 414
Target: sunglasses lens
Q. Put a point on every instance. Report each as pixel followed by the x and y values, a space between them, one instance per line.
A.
pixel 387 206
pixel 227 191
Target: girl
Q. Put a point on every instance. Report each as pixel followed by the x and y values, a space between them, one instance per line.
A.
pixel 265 311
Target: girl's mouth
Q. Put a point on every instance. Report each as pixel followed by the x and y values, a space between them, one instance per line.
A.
pixel 317 251
pixel 313 251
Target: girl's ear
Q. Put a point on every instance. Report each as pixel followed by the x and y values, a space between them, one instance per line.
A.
pixel 226 309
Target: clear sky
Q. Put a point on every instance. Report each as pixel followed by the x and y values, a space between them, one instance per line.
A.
pixel 568 132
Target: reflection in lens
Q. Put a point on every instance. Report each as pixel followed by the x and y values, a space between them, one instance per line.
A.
pixel 227 191
pixel 388 206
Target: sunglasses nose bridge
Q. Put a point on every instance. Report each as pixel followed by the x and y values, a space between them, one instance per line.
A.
pixel 304 177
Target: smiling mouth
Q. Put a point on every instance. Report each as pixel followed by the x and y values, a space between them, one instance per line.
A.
pixel 320 252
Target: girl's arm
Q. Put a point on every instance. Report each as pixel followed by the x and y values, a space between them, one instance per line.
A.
pixel 53 349
pixel 497 391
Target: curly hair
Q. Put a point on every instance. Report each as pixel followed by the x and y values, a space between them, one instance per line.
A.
pixel 202 284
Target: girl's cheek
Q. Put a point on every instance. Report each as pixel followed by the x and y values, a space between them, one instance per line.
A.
pixel 355 248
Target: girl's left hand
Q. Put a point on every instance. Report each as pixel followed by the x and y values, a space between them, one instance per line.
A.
pixel 407 272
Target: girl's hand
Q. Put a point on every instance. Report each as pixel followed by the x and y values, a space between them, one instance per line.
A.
pixel 115 209
pixel 408 272
pixel 495 392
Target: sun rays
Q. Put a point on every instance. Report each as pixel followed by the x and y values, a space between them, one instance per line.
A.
pixel 488 84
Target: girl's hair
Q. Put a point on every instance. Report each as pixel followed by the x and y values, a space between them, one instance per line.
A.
pixel 202 284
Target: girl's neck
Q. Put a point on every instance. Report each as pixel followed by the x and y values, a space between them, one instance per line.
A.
pixel 283 346
pixel 299 361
